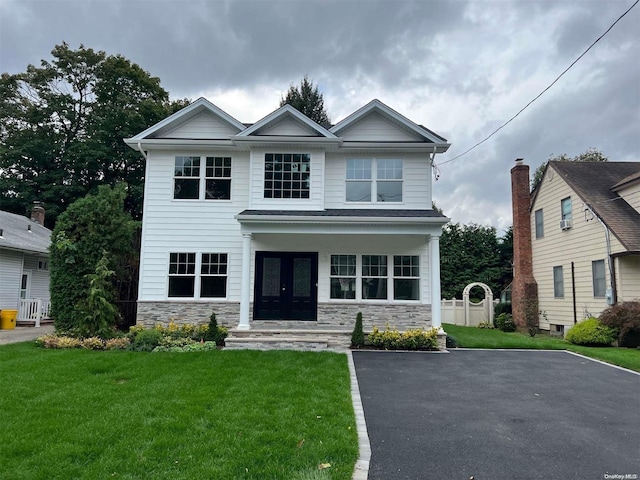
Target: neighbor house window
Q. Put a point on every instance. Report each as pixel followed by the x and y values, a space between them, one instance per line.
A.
pixel 406 277
pixel 217 178
pixel 287 175
pixel 43 265
pixel 539 224
pixel 565 205
pixel 182 274
pixel 374 277
pixel 374 180
pixel 599 278
pixel 186 181
pixel 558 282
pixel 213 275
pixel 343 276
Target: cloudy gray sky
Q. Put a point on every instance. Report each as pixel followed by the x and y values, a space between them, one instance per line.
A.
pixel 461 68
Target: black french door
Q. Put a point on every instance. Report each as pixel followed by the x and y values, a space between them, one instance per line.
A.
pixel 286 286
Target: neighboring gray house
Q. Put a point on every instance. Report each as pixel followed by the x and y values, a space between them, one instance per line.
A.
pixel 24 265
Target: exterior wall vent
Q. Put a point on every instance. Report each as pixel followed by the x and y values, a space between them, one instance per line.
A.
pixel 566 224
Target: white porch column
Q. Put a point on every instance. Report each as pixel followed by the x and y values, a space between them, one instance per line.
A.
pixel 434 265
pixel 245 297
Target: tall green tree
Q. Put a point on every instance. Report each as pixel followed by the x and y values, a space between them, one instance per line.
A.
pixel 62 126
pixel 307 99
pixel 590 155
pixel 474 253
pixel 93 228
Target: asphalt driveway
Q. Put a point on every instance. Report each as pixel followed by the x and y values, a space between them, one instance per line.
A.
pixel 498 415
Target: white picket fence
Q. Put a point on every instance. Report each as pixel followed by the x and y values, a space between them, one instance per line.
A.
pixel 33 310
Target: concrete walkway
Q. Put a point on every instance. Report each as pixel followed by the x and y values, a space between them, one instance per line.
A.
pixel 23 334
pixel 499 415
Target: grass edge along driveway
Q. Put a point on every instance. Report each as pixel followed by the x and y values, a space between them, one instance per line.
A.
pixel 129 415
pixel 473 337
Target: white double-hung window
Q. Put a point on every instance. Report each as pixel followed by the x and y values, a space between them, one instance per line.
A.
pixel 374 180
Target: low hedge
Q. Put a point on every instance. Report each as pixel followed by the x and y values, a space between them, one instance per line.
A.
pixel 591 333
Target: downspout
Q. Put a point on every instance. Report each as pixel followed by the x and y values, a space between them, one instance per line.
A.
pixel 573 291
pixel 614 293
pixel 142 152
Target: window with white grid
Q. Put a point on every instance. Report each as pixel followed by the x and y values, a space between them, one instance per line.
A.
pixel 217 178
pixel 406 277
pixel 213 275
pixel 374 277
pixel 182 274
pixel 343 276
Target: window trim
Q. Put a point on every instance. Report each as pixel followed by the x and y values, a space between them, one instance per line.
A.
pixel 568 215
pixel 539 225
pixel 302 190
pixel 603 279
pixel 374 179
pixel 197 276
pixel 558 268
pixel 202 179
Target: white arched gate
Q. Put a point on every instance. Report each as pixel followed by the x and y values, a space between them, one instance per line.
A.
pixel 487 302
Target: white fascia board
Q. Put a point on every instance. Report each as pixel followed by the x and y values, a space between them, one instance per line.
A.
pixel 394 146
pixel 282 111
pixel 168 144
pixel 200 103
pixel 305 219
pixel 377 105
pixel 341 229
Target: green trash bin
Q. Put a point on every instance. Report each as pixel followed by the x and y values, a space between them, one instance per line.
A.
pixel 8 319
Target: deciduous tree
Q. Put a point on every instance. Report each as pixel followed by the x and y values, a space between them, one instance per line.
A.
pixel 591 155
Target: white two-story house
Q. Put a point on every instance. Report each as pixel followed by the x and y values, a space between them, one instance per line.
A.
pixel 286 221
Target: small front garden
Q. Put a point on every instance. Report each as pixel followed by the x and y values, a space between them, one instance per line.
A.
pixel 473 337
pixel 74 413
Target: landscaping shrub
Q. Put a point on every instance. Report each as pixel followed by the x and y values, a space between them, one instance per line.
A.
pixel 145 340
pixel 505 322
pixel 501 308
pixel 357 337
pixel 624 318
pixel 55 341
pixel 93 343
pixel 87 228
pixel 122 343
pixel 451 342
pixel 214 332
pixel 485 325
pixel 591 333
pixel 410 340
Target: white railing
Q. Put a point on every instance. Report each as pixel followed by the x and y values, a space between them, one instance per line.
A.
pixel 33 310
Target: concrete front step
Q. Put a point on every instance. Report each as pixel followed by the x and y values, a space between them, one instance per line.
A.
pixel 289 339
pixel 32 323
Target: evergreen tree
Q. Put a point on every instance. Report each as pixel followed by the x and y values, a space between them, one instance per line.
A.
pixel 307 99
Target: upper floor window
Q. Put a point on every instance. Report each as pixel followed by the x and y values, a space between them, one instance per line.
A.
pixel 217 178
pixel 565 205
pixel 539 224
pixel 374 180
pixel 599 278
pixel 186 183
pixel 287 175
pixel 187 179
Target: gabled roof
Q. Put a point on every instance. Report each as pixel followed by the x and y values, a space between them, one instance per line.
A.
pixel 376 106
pixel 16 234
pixel 627 181
pixel 281 113
pixel 594 183
pixel 185 114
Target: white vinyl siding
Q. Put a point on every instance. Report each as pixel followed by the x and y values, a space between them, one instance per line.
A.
pixel 375 127
pixel 289 127
pixel 11 268
pixel 203 125
pixel 39 278
pixel 189 225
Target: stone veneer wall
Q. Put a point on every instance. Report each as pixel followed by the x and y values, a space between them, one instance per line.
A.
pixel 152 313
pixel 330 315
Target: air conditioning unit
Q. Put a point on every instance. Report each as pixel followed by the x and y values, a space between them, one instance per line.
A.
pixel 566 224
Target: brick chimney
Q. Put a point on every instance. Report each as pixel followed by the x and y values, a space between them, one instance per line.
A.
pixel 524 289
pixel 37 213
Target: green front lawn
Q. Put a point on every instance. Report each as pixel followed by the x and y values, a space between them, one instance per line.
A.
pixel 472 337
pixel 221 414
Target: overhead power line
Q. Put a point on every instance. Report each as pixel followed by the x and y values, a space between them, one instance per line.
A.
pixel 543 91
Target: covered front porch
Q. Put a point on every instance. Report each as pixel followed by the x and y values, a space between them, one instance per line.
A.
pixel 312 272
